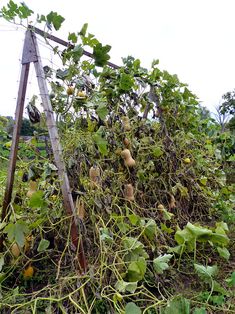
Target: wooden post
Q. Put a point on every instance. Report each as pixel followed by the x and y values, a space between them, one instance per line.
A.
pixel 27 57
pixel 31 54
pixel 57 152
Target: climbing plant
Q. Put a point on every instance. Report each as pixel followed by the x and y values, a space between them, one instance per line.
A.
pixel 151 198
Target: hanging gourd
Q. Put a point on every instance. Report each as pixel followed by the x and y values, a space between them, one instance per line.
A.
pixel 128 160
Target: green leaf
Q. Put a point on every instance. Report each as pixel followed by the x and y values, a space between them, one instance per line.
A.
pixel 73 37
pixel 218 288
pixel 161 263
pixel 16 231
pixel 62 74
pixel 223 252
pixel 157 152
pixel 198 231
pixel 105 235
pixel 134 219
pixel 231 280
pixel 43 245
pixel 101 55
pixel 126 82
pixel 83 30
pixel 123 286
pixel 206 272
pixel 136 270
pixel 178 306
pixel 23 11
pixel 203 181
pixel 1 261
pixel 134 249
pixel 101 143
pixel 220 239
pixel 150 229
pixel 36 200
pixel 132 308
pixel 77 52
pixel 182 236
pixel 55 19
pixel 199 310
pixel 102 111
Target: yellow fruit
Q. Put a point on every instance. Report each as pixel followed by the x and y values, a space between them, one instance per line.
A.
pixel 160 207
pixel 15 250
pixel 81 94
pixel 187 160
pixel 70 90
pixel 28 272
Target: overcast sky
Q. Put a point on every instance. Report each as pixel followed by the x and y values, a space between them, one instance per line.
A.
pixel 192 38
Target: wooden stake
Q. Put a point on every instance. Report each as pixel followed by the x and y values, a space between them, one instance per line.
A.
pixel 57 151
pixel 15 139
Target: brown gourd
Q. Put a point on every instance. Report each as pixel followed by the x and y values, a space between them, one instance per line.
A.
pixel 128 160
pixel 94 174
pixel 15 250
pixel 129 192
pixel 126 123
pixel 32 188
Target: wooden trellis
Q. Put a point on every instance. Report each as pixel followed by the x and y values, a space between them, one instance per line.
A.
pixel 31 54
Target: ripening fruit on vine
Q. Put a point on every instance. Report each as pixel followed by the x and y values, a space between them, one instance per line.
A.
pixel 28 272
pixel 70 90
pixel 81 94
pixel 187 160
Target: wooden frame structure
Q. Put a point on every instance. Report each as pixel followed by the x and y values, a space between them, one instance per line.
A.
pixel 31 54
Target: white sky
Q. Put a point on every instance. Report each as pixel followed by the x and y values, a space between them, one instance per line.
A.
pixel 192 38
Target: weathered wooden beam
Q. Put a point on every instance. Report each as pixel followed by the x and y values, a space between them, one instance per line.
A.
pixel 57 152
pixel 66 44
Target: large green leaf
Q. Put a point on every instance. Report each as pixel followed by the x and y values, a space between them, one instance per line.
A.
pixel 102 111
pixel 136 270
pixel 55 19
pixel 16 232
pixel 43 245
pixel 132 308
pixel 206 272
pixel 126 82
pixel 100 54
pixel 37 200
pixel 134 249
pixel 178 305
pixel 123 286
pixel 231 280
pixel 223 252
pixel 198 231
pixel 199 310
pixel 101 143
pixel 150 229
pixel 161 263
